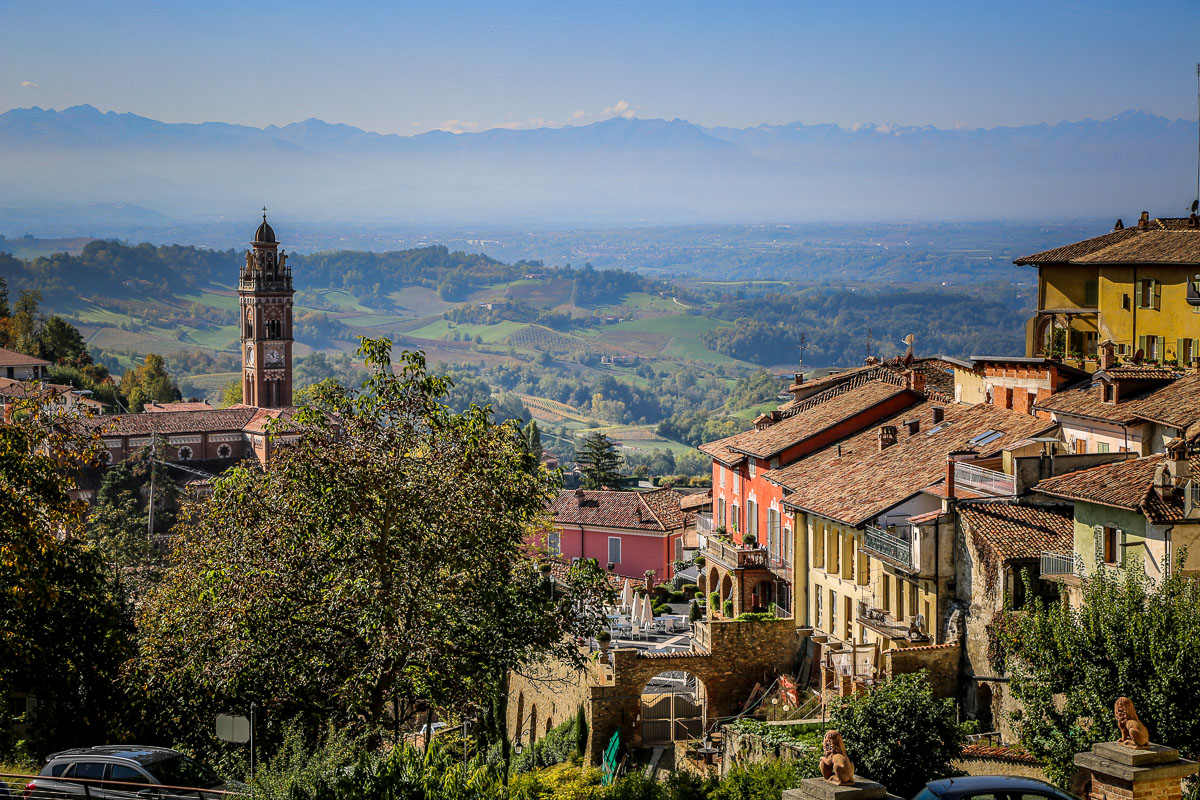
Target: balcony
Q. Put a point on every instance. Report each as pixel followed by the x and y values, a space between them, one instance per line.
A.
pixel 734 557
pixel 878 620
pixel 983 481
pixel 1060 564
pixel 704 524
pixel 1191 499
pixel 780 566
pixel 889 546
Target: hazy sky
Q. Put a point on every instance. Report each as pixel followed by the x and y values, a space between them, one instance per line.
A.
pixel 408 67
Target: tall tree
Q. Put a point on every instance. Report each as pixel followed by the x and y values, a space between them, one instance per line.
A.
pixel 149 383
pixel 599 461
pixel 533 435
pixel 64 631
pixel 1130 637
pixel 378 563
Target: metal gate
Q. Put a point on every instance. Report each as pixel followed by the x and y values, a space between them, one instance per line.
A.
pixel 674 714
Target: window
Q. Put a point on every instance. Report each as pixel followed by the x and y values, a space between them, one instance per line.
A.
pixel 124 774
pixel 106 456
pixel 224 451
pixel 1125 302
pixel 850 557
pixel 750 467
pixel 899 599
pixel 887 592
pixel 986 437
pixel 832 612
pixel 721 472
pixel 1148 293
pixel 734 518
pixel 1102 447
pixel 1106 391
pixel 864 568
pixel 1091 343
pixel 912 600
pixel 679 549
pixel 773 531
pixel 848 614
pixel 1152 347
pixel 831 552
pixel 614 549
pixel 87 770
pixel 819 611
pixel 1110 545
pixel 1091 293
pixel 818 546
pixel 554 543
pixel 721 510
pixel 185 453
pixel 752 518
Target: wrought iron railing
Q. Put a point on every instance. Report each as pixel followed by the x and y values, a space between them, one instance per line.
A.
pixel 982 480
pixel 1060 564
pixel 889 545
pixel 780 566
pixel 733 556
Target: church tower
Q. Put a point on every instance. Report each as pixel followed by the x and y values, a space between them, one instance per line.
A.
pixel 265 291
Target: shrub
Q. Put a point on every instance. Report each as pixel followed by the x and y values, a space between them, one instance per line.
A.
pixel 603 636
pixel 727 608
pixel 899 735
pixel 754 616
pixel 714 600
pixel 750 540
pixel 555 747
pixel 764 780
pixel 701 561
pixel 690 589
pixel 694 613
pixel 676 597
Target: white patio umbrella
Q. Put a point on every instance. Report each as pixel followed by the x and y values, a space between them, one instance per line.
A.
pixel 647 610
pixel 626 596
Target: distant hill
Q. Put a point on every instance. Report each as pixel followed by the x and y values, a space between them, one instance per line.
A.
pixel 615 171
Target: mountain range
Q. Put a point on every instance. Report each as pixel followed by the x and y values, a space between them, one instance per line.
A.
pixel 623 171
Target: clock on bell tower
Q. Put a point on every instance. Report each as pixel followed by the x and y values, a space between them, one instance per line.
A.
pixel 265 292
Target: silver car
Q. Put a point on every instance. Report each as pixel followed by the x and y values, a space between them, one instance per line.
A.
pixel 126 772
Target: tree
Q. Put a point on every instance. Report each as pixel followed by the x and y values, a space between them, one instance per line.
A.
pixel 64 631
pixel 899 735
pixel 231 395
pixel 599 461
pixel 533 436
pixel 378 563
pixel 1130 637
pixel 149 383
pixel 61 343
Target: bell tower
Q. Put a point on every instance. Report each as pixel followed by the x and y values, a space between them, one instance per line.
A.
pixel 265 292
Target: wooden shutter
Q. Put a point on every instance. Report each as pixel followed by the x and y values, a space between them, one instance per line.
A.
pixel 1160 352
pixel 1142 346
pixel 1180 351
pixel 864 568
pixel 1098 532
pixel 1137 294
pixel 1157 293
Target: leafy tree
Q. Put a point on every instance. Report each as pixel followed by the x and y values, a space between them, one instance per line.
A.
pixel 64 631
pixel 533 436
pixel 231 395
pixel 149 383
pixel 119 522
pixel 899 735
pixel 61 342
pixel 599 461
pixel 379 563
pixel 1068 665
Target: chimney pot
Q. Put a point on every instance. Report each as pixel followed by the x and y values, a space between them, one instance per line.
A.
pixel 1108 354
pixel 887 436
pixel 913 426
pixel 1144 220
pixel 949 477
pixel 938 413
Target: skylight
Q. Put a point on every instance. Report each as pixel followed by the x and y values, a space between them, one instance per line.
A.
pixel 987 437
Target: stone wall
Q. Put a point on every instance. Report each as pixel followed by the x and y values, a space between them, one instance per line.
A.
pixel 941 660
pixel 739 655
pixel 984 760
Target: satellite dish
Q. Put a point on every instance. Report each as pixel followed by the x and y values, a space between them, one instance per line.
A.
pixel 1139 356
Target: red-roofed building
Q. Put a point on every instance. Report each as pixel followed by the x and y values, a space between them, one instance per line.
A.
pixel 628 533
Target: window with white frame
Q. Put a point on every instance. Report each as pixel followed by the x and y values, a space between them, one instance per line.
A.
pixel 554 543
pixel 614 549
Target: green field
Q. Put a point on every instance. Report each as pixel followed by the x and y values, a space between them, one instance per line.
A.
pixel 492 334
pixel 684 331
pixel 225 301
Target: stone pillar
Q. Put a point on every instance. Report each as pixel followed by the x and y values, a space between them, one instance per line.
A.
pixel 821 789
pixel 1119 772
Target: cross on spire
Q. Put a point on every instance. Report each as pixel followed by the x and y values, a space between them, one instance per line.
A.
pixel 264 213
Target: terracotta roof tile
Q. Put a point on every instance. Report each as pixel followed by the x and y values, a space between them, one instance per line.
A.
pixel 1122 484
pixel 1017 531
pixel 816 414
pixel 720 449
pixel 863 482
pixel 11 358
pixel 1084 400
pixel 157 408
pixel 696 500
pixel 649 511
pixel 170 422
pixel 1166 241
pixel 1177 404
pixel 893 650
pixel 998 753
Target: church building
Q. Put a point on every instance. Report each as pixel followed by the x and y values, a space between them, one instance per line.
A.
pixel 219 436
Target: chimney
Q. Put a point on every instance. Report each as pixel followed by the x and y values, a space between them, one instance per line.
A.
pixel 914 380
pixel 913 426
pixel 1181 466
pixel 938 413
pixel 579 495
pixel 1108 354
pixel 950 477
pixel 887 436
pixel 1144 221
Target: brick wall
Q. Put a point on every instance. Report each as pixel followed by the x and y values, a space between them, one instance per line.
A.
pixel 941 660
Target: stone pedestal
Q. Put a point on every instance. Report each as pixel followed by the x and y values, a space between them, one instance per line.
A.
pixel 1153 772
pixel 821 789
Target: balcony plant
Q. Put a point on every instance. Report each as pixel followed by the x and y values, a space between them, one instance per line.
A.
pixel 604 639
pixel 750 540
pixel 701 561
pixel 727 609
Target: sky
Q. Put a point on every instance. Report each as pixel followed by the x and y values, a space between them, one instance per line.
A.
pixel 397 67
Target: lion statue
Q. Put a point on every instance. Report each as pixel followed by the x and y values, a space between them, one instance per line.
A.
pixel 1133 732
pixel 836 766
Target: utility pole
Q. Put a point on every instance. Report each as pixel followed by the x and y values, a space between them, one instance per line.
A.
pixel 153 470
pixel 801 346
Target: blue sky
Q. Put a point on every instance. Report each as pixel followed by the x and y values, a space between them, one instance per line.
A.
pixel 406 67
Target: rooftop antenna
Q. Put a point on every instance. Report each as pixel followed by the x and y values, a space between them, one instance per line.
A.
pixel 801 346
pixel 868 341
pixel 1196 202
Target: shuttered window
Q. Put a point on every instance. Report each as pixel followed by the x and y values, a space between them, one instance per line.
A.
pixel 614 549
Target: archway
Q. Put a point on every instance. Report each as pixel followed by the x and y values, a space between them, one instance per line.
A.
pixel 674 707
pixel 714 579
pixel 726 593
pixel 764 594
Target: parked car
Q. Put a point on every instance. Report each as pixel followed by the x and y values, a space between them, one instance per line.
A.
pixel 991 787
pixel 124 772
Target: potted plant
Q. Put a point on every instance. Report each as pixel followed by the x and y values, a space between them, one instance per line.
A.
pixel 750 540
pixel 604 639
pixel 700 560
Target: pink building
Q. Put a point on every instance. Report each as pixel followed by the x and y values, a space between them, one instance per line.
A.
pixel 626 532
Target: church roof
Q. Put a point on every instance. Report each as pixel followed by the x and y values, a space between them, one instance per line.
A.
pixel 265 233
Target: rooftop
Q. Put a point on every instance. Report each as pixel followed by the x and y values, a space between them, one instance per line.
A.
pixel 854 481
pixel 1018 531
pixel 168 422
pixel 1157 395
pixel 1123 484
pixel 658 510
pixel 1167 240
pixel 11 358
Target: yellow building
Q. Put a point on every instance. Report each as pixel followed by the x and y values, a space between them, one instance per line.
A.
pixel 1138 287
